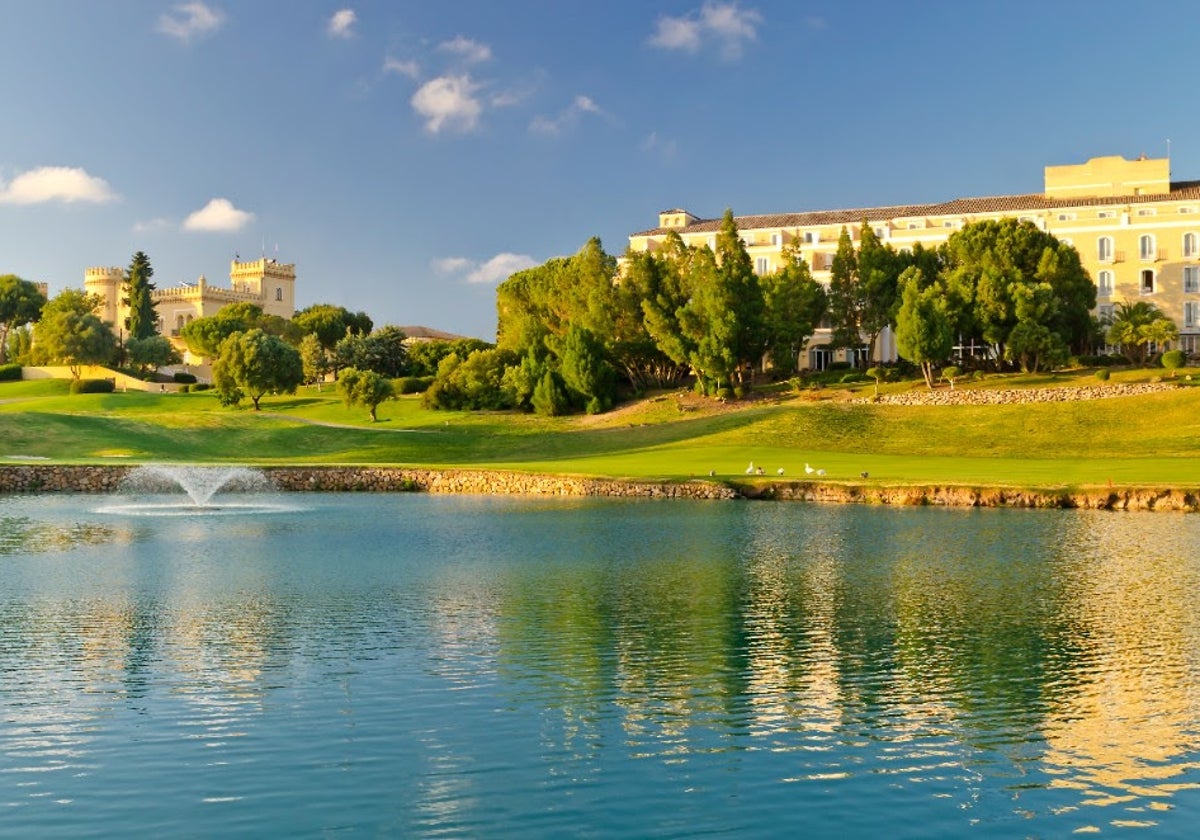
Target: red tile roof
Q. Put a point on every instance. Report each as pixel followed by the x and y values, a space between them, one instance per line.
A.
pixel 1180 191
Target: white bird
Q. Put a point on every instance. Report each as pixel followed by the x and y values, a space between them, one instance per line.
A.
pixel 779 471
pixel 750 469
pixel 820 472
pixel 808 469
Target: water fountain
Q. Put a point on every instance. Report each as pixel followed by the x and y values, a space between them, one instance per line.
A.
pixel 156 490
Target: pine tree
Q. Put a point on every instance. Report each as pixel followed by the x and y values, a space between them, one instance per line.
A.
pixel 143 320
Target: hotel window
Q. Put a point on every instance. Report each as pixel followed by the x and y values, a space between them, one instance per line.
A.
pixel 1146 211
pixel 881 232
pixel 1104 214
pixel 1146 286
pixel 776 238
pixel 1185 210
pixel 1104 249
pixel 947 223
pixel 762 265
pixel 1189 245
pixel 810 237
pixel 1104 283
pixel 1191 313
pixel 1105 312
pixel 1066 217
pixel 915 225
pixel 279 294
pixel 1146 247
pixel 1191 278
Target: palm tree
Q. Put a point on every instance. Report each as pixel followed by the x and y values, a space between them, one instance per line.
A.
pixel 1135 326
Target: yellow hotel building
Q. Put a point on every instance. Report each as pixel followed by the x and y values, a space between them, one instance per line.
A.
pixel 1136 231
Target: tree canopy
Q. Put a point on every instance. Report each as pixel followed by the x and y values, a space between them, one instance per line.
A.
pixel 69 332
pixel 254 364
pixel 20 303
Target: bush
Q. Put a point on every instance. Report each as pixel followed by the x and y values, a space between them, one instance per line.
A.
pixel 1101 360
pixel 838 366
pixel 1103 374
pixel 201 386
pixel 1173 359
pixel 412 384
pixel 183 389
pixel 853 376
pixel 92 386
pixel 10 373
pixel 182 377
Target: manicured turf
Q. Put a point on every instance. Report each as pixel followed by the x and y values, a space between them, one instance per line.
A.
pixel 1147 440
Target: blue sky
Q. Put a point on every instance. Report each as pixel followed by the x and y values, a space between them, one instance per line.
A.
pixel 407 156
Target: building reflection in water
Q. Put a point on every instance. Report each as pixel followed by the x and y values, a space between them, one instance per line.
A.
pixel 1126 708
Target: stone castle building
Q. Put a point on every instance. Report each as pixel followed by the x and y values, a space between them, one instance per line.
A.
pixel 265 282
pixel 1137 233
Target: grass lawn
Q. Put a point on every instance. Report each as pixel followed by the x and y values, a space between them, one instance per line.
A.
pixel 1147 440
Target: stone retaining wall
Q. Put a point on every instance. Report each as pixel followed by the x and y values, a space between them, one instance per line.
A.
pixel 46 478
pixel 1018 396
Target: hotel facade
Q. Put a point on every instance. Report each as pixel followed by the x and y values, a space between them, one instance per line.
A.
pixel 1136 231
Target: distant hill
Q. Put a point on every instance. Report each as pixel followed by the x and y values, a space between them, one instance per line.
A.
pixel 418 333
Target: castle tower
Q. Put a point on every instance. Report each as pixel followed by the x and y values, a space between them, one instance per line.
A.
pixel 273 282
pixel 106 283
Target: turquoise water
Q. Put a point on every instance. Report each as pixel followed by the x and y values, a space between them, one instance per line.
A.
pixel 398 665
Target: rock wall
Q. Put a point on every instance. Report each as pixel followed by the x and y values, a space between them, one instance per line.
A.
pixel 1018 396
pixel 48 478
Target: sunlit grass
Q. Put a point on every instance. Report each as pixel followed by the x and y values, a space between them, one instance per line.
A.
pixel 1146 440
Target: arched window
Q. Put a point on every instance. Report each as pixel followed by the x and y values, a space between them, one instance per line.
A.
pixel 278 293
pixel 1189 245
pixel 1146 286
pixel 1104 249
pixel 1104 283
pixel 1146 247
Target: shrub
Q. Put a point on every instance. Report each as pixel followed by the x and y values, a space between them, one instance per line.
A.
pixel 1173 359
pixel 182 377
pixel 839 366
pixel 201 386
pixel 183 389
pixel 10 373
pixel 92 386
pixel 1103 374
pixel 413 384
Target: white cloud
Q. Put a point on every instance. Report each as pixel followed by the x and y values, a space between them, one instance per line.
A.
pixel 56 183
pixel 152 225
pixel 190 20
pixel 452 265
pixel 219 215
pixel 472 52
pixel 404 68
pixel 498 268
pixel 661 146
pixel 448 102
pixel 341 25
pixel 726 26
pixel 569 116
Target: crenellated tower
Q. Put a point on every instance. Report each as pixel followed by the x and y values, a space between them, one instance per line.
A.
pixel 106 284
pixel 273 282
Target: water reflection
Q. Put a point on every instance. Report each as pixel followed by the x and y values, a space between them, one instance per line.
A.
pixel 436 665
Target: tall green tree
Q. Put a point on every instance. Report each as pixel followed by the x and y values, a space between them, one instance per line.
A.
pixel 70 333
pixel 331 323
pixel 992 265
pixel 147 354
pixel 137 288
pixel 725 314
pixel 255 364
pixel 20 303
pixel 879 287
pixel 383 351
pixel 793 305
pixel 924 334
pixel 845 295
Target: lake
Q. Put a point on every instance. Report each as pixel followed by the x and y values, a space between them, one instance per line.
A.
pixel 404 664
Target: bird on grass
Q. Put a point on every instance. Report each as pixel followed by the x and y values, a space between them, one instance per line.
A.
pixel 779 471
pixel 808 469
pixel 864 474
pixel 750 469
